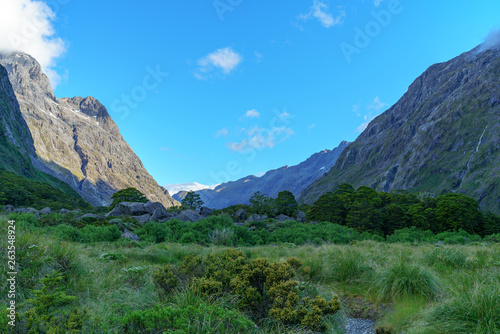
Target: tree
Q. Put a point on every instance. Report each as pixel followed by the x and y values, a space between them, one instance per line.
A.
pixel 261 203
pixel 286 204
pixel 127 195
pixel 192 201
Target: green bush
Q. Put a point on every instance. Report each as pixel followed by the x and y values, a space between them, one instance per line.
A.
pixel 263 288
pixel 403 279
pixel 192 319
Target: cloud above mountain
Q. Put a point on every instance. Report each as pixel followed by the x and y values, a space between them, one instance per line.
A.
pixel 225 60
pixel 492 41
pixel 28 26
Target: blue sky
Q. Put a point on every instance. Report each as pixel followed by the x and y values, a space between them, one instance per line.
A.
pixel 210 91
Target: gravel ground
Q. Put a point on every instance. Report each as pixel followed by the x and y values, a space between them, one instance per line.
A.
pixel 360 326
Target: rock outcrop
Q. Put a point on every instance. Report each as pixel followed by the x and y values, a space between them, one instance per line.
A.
pixel 442 136
pixel 75 138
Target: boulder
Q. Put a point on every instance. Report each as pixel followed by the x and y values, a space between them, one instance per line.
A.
pixel 205 212
pixel 283 218
pixel 189 216
pixel 46 211
pixel 301 217
pixel 151 207
pixel 143 219
pixel 240 214
pixel 254 218
pixel 130 209
pixel 28 210
pixel 129 235
pixel 160 213
pixel 9 208
pixel 63 211
pixel 89 215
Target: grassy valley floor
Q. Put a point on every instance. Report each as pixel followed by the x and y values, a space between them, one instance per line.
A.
pixel 410 288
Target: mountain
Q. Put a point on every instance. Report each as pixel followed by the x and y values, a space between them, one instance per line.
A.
pixel 442 136
pixel 76 140
pixel 186 187
pixel 294 179
pixel 16 144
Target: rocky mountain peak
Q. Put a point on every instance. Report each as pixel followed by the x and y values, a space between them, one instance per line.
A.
pixel 76 140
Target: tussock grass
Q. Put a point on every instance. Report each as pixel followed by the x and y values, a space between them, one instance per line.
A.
pixel 402 280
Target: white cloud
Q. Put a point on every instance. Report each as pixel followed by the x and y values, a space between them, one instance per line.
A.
pixel 319 11
pixel 252 113
pixel 260 138
pixel 377 2
pixel 492 41
pixel 225 59
pixel 377 105
pixel 193 186
pixel 28 26
pixel 222 133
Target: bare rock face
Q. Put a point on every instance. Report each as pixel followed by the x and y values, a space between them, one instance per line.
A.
pixel 442 136
pixel 76 140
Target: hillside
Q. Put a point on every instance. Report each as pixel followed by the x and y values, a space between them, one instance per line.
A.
pixel 76 140
pixel 294 179
pixel 442 136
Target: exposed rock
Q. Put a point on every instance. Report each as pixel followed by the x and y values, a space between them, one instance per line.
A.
pixel 189 216
pixel 129 235
pixel 143 219
pixel 46 211
pixel 254 218
pixel 240 214
pixel 301 217
pixel 75 138
pixel 77 211
pixel 283 218
pixel 205 212
pixel 129 209
pixel 159 214
pixel 151 207
pixel 9 208
pixel 63 211
pixel 442 136
pixel 89 215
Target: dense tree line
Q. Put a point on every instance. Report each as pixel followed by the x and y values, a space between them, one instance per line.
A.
pixel 382 213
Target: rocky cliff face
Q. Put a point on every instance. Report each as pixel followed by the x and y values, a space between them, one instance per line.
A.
pixel 76 140
pixel 16 144
pixel 442 136
pixel 294 179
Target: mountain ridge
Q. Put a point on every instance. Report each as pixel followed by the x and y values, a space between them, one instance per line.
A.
pixel 441 136
pixel 76 140
pixel 291 178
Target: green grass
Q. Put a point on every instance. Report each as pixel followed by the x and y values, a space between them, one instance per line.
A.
pixel 451 289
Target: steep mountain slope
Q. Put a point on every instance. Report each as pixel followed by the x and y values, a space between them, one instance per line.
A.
pixel 76 140
pixel 294 179
pixel 442 136
pixel 16 144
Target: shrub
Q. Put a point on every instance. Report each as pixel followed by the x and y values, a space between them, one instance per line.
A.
pixel 113 257
pixel 192 319
pixel 263 288
pixel 402 279
pixel 224 237
pixel 49 313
